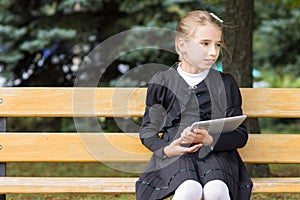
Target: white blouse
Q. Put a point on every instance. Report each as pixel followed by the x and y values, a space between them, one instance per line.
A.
pixel 192 79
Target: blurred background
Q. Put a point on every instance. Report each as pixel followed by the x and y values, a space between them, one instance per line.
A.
pixel 42 43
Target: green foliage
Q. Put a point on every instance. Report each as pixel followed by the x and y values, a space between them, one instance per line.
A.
pixel 276 39
pixel 132 6
pixel 10 57
pixel 281 79
pixel 9 34
pixel 280 126
pixel 43 38
pixel 4 4
pixel 33 31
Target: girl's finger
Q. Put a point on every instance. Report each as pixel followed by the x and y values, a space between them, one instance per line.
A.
pixel 193 148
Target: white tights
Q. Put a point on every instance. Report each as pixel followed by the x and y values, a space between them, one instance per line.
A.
pixel 192 190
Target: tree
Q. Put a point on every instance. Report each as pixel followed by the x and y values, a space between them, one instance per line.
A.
pixel 43 42
pixel 276 36
pixel 36 39
pixel 239 16
pixel 239 60
pixel 239 57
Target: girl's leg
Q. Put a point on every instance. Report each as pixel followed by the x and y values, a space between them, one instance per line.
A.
pixel 188 190
pixel 216 190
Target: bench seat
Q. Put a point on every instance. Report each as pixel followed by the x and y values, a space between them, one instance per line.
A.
pixel 125 147
pixel 116 185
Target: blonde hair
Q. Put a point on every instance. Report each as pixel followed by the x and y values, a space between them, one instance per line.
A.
pixel 188 24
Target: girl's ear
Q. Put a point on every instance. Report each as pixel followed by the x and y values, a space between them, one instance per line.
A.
pixel 181 45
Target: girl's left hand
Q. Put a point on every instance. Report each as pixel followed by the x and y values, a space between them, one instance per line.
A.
pixel 196 136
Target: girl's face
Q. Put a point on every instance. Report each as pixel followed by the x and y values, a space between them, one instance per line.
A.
pixel 202 50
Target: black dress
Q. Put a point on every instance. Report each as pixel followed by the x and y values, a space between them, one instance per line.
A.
pixel 171 105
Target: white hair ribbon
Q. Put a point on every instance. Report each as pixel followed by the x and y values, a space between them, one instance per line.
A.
pixel 216 17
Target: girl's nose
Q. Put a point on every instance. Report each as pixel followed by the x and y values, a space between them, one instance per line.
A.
pixel 212 50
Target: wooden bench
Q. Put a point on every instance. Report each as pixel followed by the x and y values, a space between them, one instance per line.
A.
pixel 121 147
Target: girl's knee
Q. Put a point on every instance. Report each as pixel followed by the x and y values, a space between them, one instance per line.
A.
pixel 216 190
pixel 189 189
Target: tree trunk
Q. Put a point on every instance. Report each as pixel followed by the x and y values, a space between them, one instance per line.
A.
pixel 238 32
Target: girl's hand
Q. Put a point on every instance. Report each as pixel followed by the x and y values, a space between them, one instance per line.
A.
pixel 196 136
pixel 175 148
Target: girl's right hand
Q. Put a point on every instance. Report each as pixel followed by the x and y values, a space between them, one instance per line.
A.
pixel 175 148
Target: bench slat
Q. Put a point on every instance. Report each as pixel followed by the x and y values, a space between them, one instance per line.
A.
pixel 36 185
pixel 120 147
pixel 69 102
pixel 71 147
pixel 276 185
pixel 271 102
pixel 272 148
pixel 118 185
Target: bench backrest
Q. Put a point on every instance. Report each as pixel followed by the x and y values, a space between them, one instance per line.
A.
pixel 127 102
pixel 124 102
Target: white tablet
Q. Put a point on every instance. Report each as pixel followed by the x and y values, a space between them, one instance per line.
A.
pixel 222 125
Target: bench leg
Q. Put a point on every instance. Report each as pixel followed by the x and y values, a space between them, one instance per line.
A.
pixel 2 173
pixel 2 165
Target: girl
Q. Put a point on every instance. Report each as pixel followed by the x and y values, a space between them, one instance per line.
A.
pixel 191 164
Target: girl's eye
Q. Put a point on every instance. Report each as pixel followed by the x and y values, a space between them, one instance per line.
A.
pixel 219 45
pixel 204 43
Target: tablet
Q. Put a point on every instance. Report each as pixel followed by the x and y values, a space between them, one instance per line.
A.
pixel 222 125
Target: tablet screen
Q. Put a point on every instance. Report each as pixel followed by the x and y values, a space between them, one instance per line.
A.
pixel 222 125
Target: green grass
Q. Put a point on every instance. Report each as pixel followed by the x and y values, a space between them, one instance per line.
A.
pixel 271 125
pixel 275 197
pixel 97 169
